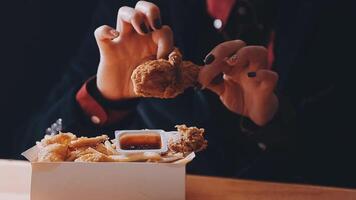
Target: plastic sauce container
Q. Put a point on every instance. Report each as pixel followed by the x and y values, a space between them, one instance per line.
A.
pixel 138 141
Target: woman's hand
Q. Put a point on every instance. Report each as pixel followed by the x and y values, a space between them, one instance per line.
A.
pixel 245 85
pixel 138 36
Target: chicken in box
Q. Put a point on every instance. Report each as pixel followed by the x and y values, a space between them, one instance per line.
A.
pixel 137 164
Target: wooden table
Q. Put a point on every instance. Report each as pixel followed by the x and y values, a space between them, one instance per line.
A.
pixel 15 177
pixel 207 188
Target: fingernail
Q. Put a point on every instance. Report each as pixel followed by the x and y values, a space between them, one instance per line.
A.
pixel 114 33
pixel 158 23
pixel 232 59
pixel 251 74
pixel 144 28
pixel 209 59
pixel 218 79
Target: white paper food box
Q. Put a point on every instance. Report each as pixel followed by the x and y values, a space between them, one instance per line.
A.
pixel 106 180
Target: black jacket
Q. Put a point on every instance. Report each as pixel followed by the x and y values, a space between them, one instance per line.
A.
pixel 311 59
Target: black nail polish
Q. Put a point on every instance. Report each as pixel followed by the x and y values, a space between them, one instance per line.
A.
pixel 209 59
pixel 144 28
pixel 251 74
pixel 158 23
pixel 218 79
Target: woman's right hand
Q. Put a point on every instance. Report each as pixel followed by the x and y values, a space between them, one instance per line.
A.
pixel 131 43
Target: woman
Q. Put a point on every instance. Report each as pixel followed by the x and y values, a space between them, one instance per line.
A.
pixel 249 127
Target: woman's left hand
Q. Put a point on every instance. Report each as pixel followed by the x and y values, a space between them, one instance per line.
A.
pixel 239 75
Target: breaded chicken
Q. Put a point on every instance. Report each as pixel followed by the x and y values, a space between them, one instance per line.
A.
pixel 165 78
pixel 53 153
pixel 84 141
pixel 94 157
pixel 61 138
pixel 190 139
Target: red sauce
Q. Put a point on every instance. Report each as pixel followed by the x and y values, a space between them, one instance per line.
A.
pixel 140 141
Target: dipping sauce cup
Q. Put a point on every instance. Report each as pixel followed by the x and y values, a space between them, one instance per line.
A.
pixel 139 141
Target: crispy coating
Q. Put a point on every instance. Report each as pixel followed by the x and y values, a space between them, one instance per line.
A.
pixel 61 138
pixel 74 154
pixel 67 147
pixel 190 73
pixel 101 148
pixel 94 157
pixel 85 141
pixel 165 78
pixel 190 139
pixel 110 149
pixel 53 153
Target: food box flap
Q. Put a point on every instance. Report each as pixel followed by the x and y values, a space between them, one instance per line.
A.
pixel 31 153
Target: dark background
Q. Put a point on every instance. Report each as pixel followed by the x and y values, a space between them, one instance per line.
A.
pixel 38 40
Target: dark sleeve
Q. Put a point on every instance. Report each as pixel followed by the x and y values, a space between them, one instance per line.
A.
pixel 278 134
pixel 61 102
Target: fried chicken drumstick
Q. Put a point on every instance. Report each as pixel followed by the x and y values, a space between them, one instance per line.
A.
pixel 165 78
pixel 190 139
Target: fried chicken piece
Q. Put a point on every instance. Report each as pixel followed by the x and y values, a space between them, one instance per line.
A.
pixel 190 139
pixel 53 153
pixel 67 147
pixel 101 148
pixel 110 148
pixel 88 142
pixel 74 154
pixel 54 148
pixel 165 78
pixel 94 157
pixel 61 138
pixel 190 73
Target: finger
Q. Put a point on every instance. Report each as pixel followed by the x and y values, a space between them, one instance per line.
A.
pixel 217 88
pixel 122 26
pixel 129 19
pixel 214 60
pixel 267 79
pixel 163 38
pixel 104 34
pixel 230 95
pixel 253 57
pixel 152 13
